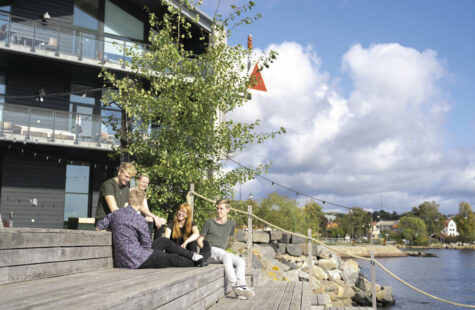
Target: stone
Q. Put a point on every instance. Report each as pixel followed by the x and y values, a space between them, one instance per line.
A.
pixel 323 252
pixel 317 272
pixel 349 273
pixel 298 240
pixel 315 249
pixel 260 237
pixel 238 247
pixel 354 264
pixel 334 274
pixel 291 275
pixel 241 236
pixel 267 251
pixel 256 263
pixel 277 266
pixel 280 248
pixel 337 260
pixel 327 264
pixel 285 238
pixel 275 235
pixel 361 299
pixel 294 249
pixel 385 296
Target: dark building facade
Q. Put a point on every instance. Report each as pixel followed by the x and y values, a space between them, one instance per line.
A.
pixel 54 139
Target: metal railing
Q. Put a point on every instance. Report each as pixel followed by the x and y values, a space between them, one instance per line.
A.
pixel 27 123
pixel 74 41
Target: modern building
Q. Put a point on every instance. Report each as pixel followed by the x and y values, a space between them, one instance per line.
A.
pixel 55 141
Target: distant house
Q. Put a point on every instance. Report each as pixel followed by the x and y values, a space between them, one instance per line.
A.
pixel 331 225
pixel 385 227
pixel 330 217
pixel 450 228
pixel 375 230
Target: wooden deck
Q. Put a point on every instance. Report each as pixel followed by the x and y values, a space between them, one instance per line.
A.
pixel 273 295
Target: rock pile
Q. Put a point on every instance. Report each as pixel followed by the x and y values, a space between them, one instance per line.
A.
pixel 283 257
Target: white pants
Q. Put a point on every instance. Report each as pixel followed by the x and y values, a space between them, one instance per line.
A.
pixel 234 266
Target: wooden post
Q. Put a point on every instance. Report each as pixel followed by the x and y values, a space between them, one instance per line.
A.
pixel 373 281
pixel 249 233
pixel 310 258
pixel 192 198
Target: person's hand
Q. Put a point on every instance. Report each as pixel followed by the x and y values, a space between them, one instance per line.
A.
pixel 184 245
pixel 159 221
pixel 200 242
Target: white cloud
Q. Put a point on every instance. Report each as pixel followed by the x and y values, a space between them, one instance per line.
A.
pixel 385 139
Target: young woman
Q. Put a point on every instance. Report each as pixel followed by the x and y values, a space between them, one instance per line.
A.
pixel 182 230
pixel 142 184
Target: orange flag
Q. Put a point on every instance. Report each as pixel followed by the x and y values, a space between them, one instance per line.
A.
pixel 257 78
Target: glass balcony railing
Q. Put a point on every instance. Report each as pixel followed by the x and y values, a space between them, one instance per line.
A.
pixel 26 123
pixel 35 35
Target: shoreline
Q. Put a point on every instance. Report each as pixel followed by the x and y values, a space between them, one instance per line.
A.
pixel 364 250
pixel 451 246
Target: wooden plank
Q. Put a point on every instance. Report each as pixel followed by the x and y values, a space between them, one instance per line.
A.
pixel 265 295
pixel 296 297
pixel 287 297
pixel 18 238
pixel 306 296
pixel 154 291
pixel 46 255
pixel 52 291
pixel 279 293
pixel 38 271
pixel 207 302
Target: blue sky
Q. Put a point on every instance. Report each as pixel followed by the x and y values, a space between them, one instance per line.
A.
pixel 391 82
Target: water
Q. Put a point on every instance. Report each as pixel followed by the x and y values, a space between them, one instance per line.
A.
pixel 451 275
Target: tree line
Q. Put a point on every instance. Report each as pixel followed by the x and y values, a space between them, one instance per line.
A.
pixel 417 226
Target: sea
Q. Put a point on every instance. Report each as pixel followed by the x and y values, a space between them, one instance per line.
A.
pixel 450 275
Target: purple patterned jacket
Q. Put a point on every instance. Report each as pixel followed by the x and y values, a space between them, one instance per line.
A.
pixel 130 235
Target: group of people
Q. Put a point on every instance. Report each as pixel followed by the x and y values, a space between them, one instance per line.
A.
pixel 126 213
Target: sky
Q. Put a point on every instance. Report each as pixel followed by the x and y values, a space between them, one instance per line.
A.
pixel 376 98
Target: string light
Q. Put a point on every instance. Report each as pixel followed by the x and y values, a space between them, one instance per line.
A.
pixel 291 189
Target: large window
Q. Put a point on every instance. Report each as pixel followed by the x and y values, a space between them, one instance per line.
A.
pixel 3 88
pixel 82 104
pixel 111 116
pixel 76 200
pixel 86 13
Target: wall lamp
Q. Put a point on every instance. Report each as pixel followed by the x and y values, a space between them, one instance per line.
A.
pixel 46 17
pixel 41 95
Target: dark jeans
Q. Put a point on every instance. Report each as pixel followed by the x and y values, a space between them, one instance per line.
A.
pixel 175 255
pixel 157 232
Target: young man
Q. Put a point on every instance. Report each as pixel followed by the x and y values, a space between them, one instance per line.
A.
pixel 133 247
pixel 114 192
pixel 217 232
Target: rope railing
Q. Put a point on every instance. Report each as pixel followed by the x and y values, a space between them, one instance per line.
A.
pixel 372 260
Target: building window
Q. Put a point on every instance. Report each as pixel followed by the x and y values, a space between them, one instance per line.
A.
pixel 111 116
pixel 5 6
pixel 120 23
pixel 86 14
pixel 81 106
pixel 3 88
pixel 76 200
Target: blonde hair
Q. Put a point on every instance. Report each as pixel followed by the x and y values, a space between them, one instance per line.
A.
pixel 225 202
pixel 129 168
pixel 136 197
pixel 142 175
pixel 176 233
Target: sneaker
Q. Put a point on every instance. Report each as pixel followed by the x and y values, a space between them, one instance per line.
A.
pixel 196 257
pixel 244 291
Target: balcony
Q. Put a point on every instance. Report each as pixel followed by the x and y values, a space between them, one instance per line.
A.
pixel 69 44
pixel 19 123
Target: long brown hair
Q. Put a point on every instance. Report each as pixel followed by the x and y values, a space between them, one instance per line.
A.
pixel 176 233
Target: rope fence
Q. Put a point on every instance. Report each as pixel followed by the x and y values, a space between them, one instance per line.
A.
pixel 371 260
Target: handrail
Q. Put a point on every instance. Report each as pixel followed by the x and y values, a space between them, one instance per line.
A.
pixel 341 252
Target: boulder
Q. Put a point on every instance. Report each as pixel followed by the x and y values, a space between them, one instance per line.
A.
pixel 361 299
pixel 337 260
pixel 323 252
pixel 285 238
pixel 238 247
pixel 334 274
pixel 277 266
pixel 280 248
pixel 328 264
pixel 267 251
pixel 291 275
pixel 349 272
pixel 256 262
pixel 385 296
pixel 315 249
pixel 298 240
pixel 260 237
pixel 241 236
pixel 275 235
pixel 294 249
pixel 317 272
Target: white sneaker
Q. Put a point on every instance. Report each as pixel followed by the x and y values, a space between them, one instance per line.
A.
pixel 244 292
